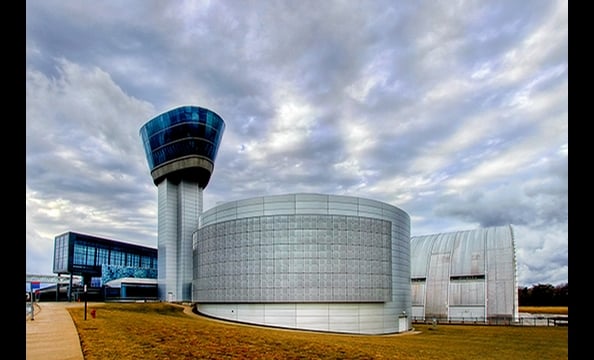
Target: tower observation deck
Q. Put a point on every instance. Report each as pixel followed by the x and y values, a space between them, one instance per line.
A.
pixel 181 146
pixel 183 143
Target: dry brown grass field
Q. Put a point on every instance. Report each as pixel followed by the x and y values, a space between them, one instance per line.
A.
pixel 165 331
pixel 561 310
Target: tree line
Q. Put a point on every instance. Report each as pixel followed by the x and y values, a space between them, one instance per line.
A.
pixel 543 295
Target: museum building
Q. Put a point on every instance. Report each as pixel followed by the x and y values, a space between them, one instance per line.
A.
pixel 305 261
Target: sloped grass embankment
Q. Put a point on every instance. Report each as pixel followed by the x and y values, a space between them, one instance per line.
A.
pixel 164 331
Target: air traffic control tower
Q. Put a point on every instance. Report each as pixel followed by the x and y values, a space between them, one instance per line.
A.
pixel 181 146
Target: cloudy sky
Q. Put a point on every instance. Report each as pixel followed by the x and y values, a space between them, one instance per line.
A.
pixel 454 111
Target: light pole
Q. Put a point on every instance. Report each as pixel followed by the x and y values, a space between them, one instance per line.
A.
pixel 32 305
pixel 85 295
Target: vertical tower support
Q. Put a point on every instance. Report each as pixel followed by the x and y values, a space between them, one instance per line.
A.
pixel 180 147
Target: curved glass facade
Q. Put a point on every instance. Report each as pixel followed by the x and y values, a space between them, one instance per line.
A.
pixel 183 140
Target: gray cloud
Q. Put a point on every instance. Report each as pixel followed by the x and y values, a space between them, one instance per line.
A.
pixel 456 112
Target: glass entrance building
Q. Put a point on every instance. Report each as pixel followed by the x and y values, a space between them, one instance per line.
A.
pixel 98 259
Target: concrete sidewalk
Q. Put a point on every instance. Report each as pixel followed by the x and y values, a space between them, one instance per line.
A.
pixel 51 335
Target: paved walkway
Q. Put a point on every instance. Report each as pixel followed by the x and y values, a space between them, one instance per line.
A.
pixel 51 335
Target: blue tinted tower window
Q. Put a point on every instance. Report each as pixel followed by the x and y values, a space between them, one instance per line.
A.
pixel 183 143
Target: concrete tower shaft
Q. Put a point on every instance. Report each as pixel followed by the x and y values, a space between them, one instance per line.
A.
pixel 180 146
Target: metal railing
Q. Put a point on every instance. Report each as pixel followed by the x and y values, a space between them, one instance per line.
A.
pixel 533 320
